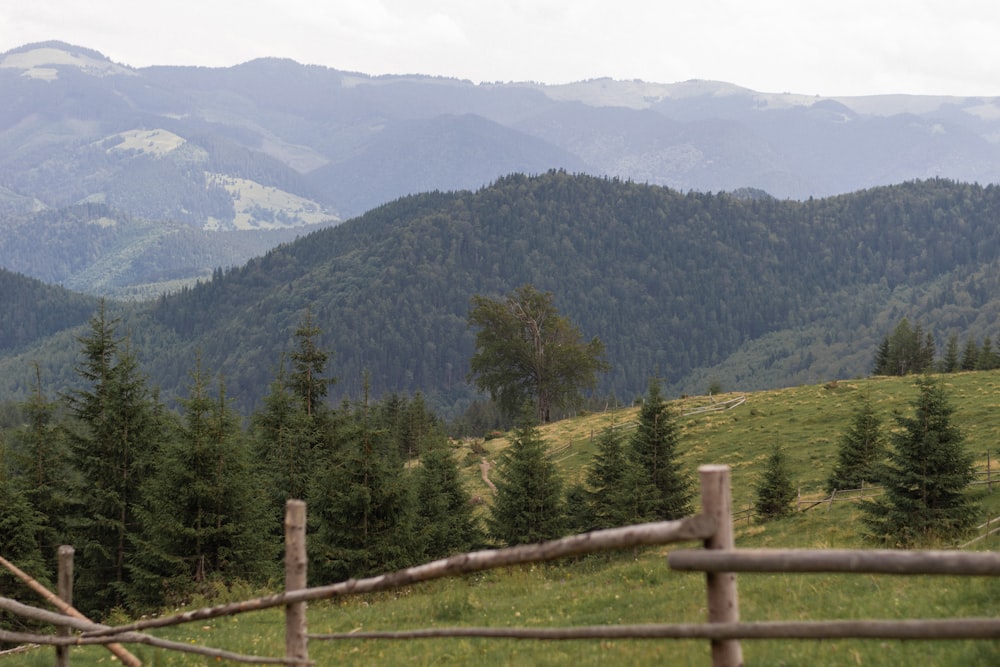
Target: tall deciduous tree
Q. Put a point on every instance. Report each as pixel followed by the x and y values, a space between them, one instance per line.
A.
pixel 527 351
pixel 528 506
pixel 926 477
pixel 862 448
pixel 655 449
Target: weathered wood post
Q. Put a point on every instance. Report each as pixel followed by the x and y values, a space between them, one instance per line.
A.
pixel 296 642
pixel 723 603
pixel 989 476
pixel 64 589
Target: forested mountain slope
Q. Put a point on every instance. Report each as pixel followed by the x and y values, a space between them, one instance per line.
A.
pixel 759 291
pixel 30 311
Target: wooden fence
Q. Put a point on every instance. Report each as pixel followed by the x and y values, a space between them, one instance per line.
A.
pixel 718 559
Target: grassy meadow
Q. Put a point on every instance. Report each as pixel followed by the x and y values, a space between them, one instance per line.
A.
pixel 639 587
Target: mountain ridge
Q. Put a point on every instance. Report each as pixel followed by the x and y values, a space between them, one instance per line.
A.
pixel 316 143
pixel 746 291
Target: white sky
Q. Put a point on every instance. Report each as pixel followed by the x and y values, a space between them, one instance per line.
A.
pixel 845 47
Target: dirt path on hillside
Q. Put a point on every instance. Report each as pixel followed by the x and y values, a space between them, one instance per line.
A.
pixel 484 468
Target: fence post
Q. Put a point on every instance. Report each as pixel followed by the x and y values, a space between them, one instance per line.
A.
pixel 296 642
pixel 64 589
pixel 723 603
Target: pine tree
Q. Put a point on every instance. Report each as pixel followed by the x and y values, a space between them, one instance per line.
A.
pixel 970 356
pixel 41 469
pixel 306 380
pixel 283 436
pixel 881 364
pixel 528 506
pixel 951 363
pixel 119 433
pixel 774 493
pixel 654 449
pixel 862 449
pixel 987 359
pixel 20 524
pixel 362 503
pixel 205 516
pixel 444 523
pixel 615 484
pixel 907 350
pixel 925 478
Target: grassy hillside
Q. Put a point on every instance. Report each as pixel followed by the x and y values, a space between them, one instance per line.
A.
pixel 640 588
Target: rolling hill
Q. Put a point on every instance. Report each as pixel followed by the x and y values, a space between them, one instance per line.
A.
pixel 748 292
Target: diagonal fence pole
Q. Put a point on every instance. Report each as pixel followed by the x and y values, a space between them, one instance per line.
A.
pixel 117 649
pixel 723 603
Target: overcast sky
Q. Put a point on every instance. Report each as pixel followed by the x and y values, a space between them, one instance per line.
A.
pixel 839 47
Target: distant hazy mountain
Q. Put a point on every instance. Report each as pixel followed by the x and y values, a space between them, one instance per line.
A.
pixel 273 144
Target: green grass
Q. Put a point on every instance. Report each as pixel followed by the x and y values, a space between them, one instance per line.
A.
pixel 640 588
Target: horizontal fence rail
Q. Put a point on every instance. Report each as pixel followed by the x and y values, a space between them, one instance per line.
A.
pixel 858 561
pixel 952 628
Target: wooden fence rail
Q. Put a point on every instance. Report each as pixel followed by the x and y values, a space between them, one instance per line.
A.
pixel 719 560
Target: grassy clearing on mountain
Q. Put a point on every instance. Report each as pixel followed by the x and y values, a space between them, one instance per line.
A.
pixel 640 588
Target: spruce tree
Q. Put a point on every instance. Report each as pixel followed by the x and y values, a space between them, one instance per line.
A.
pixel 283 436
pixel 880 366
pixel 528 505
pixel 970 356
pixel 20 525
pixel 862 448
pixel 41 469
pixel 119 428
pixel 444 522
pixel 774 492
pixel 205 517
pixel 925 478
pixel 654 448
pixel 907 350
pixel 615 484
pixel 361 504
pixel 987 359
pixel 306 380
pixel 950 363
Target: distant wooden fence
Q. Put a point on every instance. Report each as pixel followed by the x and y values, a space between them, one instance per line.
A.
pixel 718 559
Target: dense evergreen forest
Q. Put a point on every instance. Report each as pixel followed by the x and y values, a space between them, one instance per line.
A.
pixel 741 289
